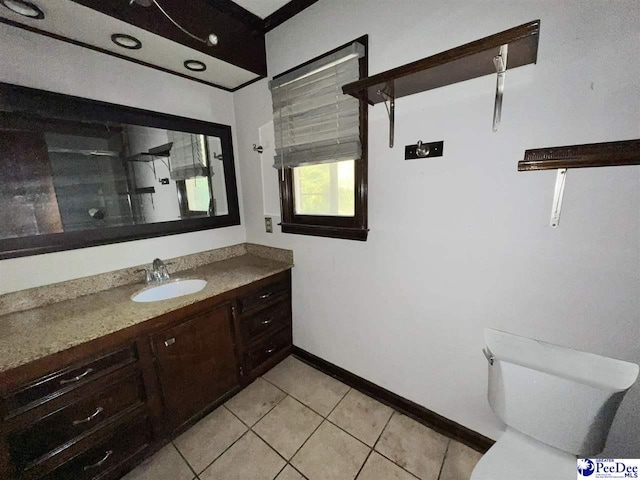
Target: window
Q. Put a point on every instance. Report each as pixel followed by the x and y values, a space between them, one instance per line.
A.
pixel 321 145
pixel 194 196
pixel 189 167
pixel 326 189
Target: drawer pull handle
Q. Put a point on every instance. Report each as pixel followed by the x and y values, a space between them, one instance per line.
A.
pixel 169 342
pixel 267 321
pixel 90 417
pixel 265 295
pixel 100 462
pixel 270 351
pixel 78 378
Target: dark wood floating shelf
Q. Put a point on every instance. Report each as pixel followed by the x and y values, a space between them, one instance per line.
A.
pixel 462 63
pixel 163 151
pixel 609 154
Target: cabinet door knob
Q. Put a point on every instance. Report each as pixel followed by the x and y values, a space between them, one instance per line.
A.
pixel 90 417
pixel 270 351
pixel 77 378
pixel 169 342
pixel 99 463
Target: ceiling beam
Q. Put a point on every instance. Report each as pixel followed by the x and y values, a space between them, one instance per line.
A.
pixel 233 25
pixel 239 12
pixel 286 12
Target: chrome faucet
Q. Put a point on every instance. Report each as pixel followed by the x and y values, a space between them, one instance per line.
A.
pixel 158 273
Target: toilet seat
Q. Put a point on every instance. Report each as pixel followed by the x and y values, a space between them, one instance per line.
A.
pixel 516 456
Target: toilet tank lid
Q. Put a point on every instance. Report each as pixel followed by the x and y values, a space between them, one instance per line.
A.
pixel 582 367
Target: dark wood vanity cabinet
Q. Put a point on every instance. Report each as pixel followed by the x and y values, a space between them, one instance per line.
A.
pixel 196 364
pixel 64 424
pixel 96 412
pixel 264 319
pixel 109 457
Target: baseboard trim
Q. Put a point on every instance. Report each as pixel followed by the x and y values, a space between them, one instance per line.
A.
pixel 419 413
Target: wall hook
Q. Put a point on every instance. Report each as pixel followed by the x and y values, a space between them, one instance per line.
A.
pixel 422 149
pixel 258 148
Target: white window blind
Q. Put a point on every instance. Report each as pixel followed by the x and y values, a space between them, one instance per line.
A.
pixel 314 121
pixel 188 157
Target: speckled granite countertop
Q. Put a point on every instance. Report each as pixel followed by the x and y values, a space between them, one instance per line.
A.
pixel 32 334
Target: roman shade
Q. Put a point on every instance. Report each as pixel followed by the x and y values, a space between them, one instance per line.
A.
pixel 188 157
pixel 314 122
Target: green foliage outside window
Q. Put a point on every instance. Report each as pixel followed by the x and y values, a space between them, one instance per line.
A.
pixel 197 194
pixel 325 189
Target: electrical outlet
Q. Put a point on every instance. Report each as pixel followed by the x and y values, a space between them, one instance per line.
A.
pixel 268 224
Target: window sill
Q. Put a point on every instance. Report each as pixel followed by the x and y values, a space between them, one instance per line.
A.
pixel 345 233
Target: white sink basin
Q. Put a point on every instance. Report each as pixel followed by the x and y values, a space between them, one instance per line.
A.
pixel 171 289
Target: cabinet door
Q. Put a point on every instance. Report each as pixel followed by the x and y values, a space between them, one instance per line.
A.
pixel 196 364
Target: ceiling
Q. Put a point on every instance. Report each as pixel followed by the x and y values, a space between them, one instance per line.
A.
pixel 71 21
pixel 261 8
pixel 238 58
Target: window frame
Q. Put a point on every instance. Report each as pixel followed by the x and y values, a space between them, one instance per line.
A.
pixel 183 200
pixel 349 228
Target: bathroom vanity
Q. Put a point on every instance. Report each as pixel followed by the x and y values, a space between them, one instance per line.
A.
pixel 96 409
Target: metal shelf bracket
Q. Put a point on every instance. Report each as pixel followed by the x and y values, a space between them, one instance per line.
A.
pixel 388 94
pixel 558 193
pixel 500 62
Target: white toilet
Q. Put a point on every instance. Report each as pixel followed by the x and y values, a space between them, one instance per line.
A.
pixel 558 404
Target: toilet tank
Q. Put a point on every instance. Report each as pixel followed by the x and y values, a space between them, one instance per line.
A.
pixel 559 396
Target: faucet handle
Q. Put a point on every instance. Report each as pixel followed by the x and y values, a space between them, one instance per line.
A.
pixel 147 273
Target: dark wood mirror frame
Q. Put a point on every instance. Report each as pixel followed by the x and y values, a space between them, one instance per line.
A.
pixel 32 102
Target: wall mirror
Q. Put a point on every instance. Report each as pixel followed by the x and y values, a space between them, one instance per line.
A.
pixel 77 172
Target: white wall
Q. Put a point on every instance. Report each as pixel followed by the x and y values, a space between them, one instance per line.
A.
pixel 163 205
pixel 462 242
pixel 36 61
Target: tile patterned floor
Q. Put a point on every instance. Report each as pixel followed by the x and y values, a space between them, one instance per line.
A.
pixel 297 423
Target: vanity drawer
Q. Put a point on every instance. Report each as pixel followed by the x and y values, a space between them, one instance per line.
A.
pixel 89 413
pixel 263 296
pixel 70 378
pixel 266 321
pixel 106 457
pixel 261 354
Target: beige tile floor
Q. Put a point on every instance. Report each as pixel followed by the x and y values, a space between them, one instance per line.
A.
pixel 297 423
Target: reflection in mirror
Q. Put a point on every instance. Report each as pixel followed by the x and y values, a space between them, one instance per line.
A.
pixel 65 176
pixel 76 172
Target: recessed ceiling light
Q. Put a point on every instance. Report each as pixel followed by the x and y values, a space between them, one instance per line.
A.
pixel 126 41
pixel 23 8
pixel 195 66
